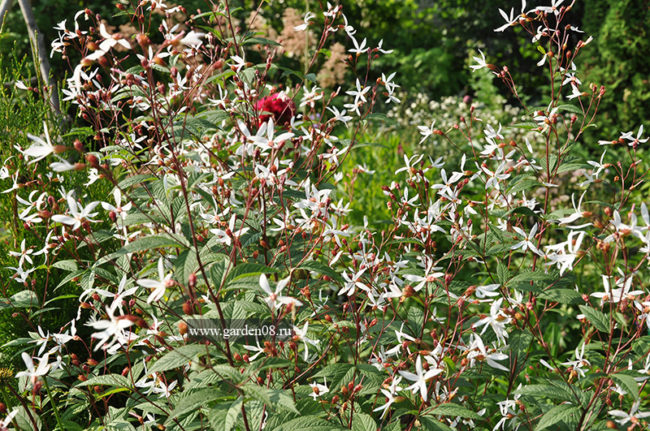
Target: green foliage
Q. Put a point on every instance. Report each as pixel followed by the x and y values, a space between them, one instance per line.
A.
pixel 24 112
pixel 618 60
pixel 19 114
pixel 478 295
pixel 371 164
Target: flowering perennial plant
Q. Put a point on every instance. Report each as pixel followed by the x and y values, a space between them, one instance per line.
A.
pixel 223 207
pixel 446 114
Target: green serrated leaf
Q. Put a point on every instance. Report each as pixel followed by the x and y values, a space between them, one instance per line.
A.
pixel 523 211
pixel 135 179
pixel 66 265
pixel 454 410
pixel 177 358
pixel 233 413
pixel 363 422
pixel 322 269
pixel 597 318
pixel 116 380
pixel 563 412
pixel 260 41
pixel 524 184
pixel 433 424
pixel 545 391
pixel 628 383
pixel 151 243
pixel 333 372
pixel 272 398
pixel 308 423
pixel 532 281
pixel 248 270
pixel 570 108
pixel 22 299
pixel 190 402
pixel 563 296
pixel 502 273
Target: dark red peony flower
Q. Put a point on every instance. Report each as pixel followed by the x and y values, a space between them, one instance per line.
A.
pixel 278 105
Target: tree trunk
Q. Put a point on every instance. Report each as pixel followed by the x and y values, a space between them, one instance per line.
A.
pixel 40 51
pixel 4 8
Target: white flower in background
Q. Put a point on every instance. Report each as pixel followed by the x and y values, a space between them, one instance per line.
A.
pixel 389 393
pixel 497 320
pixel 273 299
pixel 615 296
pixel 445 187
pixel 112 334
pixel 352 282
pixel 5 423
pixel 269 141
pixel 635 140
pixel 478 352
pixel 488 290
pixel 117 297
pixel 359 95
pixel 33 373
pixel 401 336
pixel 41 148
pixel 350 30
pixel 257 349
pixel 510 19
pixel 358 49
pixel 380 48
pixel 633 416
pixel 239 62
pixel 494 178
pixel 429 276
pixel 410 164
pixel 62 165
pixel 226 236
pixel 527 242
pixel 302 336
pixel 575 92
pixel 20 275
pixel 480 62
pixel 164 388
pixel 420 377
pixel 553 8
pixel 492 134
pixel 599 166
pixel 159 286
pixel 78 214
pixel 332 10
pixel 308 17
pixel 426 131
pixel 579 362
pixel 339 115
pixel 15 185
pixel 317 389
pixel 578 214
pixel 390 87
pixel 310 96
pixel 193 39
pixel 24 254
pixel 565 253
pixel 110 40
pixel 40 339
pixel 508 409
pixel 541 62
pixel 120 211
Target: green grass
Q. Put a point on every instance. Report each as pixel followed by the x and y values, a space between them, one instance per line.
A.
pixel 383 154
